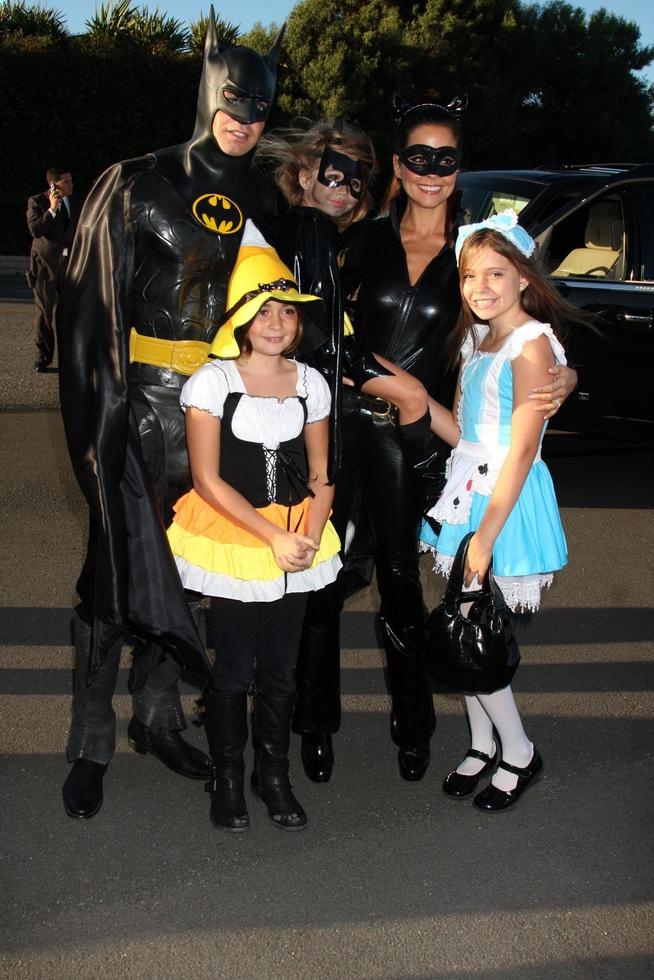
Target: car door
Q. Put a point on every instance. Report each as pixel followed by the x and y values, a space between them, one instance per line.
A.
pixel 599 251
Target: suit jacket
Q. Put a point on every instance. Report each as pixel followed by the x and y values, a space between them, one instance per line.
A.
pixel 49 235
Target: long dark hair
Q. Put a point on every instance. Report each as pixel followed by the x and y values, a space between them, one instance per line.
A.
pixel 427 114
pixel 539 299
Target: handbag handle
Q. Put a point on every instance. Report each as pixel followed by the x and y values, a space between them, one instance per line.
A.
pixel 454 591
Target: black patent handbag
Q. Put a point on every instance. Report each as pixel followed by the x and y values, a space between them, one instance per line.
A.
pixel 476 653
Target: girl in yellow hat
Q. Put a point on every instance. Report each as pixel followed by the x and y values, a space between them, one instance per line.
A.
pixel 254 532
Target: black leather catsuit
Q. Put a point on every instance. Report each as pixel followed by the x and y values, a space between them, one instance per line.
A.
pixel 379 500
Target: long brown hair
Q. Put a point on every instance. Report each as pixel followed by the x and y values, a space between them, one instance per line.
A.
pixel 295 149
pixel 539 299
pixel 424 115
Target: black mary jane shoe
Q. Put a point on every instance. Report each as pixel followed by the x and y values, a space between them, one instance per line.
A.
pixel 82 790
pixel 277 793
pixel 318 756
pixel 171 749
pixel 458 785
pixel 492 799
pixel 413 761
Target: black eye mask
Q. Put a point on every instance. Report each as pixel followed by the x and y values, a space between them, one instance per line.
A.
pixel 244 106
pixel 423 160
pixel 349 173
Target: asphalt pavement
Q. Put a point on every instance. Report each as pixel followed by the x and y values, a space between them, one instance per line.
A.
pixel 391 879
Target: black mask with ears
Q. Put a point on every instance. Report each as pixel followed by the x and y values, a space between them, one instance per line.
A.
pixel 237 80
pixel 345 172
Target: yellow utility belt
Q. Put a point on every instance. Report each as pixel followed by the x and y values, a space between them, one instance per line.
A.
pixel 182 356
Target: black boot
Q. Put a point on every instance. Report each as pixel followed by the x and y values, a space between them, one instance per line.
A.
pixel 413 719
pixel 227 731
pixel 271 730
pixel 170 748
pixel 158 714
pixel 318 756
pixel 92 733
pixel 426 454
pixel 82 790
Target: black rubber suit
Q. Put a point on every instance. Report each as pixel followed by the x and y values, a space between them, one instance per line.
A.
pixel 379 500
pixel 156 244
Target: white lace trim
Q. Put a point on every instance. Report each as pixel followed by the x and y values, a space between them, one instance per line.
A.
pixel 530 331
pixel 521 592
pixel 257 590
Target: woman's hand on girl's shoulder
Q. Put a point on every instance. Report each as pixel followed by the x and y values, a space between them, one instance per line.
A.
pixel 550 397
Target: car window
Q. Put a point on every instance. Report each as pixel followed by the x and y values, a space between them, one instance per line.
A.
pixel 589 243
pixel 479 203
pixel 644 203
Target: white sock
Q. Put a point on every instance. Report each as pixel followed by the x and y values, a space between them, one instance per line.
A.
pixel 481 736
pixel 517 750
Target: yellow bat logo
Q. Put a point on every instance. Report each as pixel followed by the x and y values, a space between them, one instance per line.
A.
pixel 218 213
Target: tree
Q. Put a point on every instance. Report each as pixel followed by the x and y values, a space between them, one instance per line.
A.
pixel 17 18
pixel 343 58
pixel 228 34
pixel 585 101
pixel 119 22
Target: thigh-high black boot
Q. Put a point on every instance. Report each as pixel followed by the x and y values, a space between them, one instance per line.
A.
pixel 158 715
pixel 227 731
pixel 393 502
pixel 271 735
pixel 92 735
pixel 426 454
pixel 318 707
pixel 413 720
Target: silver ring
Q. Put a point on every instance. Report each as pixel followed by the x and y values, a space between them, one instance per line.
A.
pixel 557 402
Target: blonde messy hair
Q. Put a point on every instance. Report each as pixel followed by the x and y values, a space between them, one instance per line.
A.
pixel 299 148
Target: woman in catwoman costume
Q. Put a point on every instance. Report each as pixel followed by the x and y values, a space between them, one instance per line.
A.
pixel 407 305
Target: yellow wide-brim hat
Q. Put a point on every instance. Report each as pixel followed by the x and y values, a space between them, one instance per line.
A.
pixel 258 275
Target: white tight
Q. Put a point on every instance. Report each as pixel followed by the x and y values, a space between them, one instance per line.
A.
pixel 496 711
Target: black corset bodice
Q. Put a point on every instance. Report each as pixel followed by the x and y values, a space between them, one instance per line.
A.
pixel 263 476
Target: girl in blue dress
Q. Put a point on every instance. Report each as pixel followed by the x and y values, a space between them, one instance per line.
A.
pixel 497 484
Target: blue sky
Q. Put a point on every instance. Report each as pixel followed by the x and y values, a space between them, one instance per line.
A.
pixel 247 12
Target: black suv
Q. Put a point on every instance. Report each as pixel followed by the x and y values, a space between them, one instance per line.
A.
pixel 595 230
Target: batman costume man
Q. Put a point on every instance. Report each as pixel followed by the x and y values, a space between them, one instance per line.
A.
pixel 143 299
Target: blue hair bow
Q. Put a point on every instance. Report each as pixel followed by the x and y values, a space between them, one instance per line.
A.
pixel 506 223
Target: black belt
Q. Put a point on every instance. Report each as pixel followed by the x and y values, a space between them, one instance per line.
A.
pixel 356 401
pixel 148 374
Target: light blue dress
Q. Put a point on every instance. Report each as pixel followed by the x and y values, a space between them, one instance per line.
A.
pixel 531 545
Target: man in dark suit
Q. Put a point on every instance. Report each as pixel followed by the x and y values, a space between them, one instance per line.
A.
pixel 52 219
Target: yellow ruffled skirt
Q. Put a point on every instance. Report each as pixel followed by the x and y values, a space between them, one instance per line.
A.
pixel 217 557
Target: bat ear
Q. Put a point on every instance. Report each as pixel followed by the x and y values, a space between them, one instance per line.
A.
pixel 273 54
pixel 211 40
